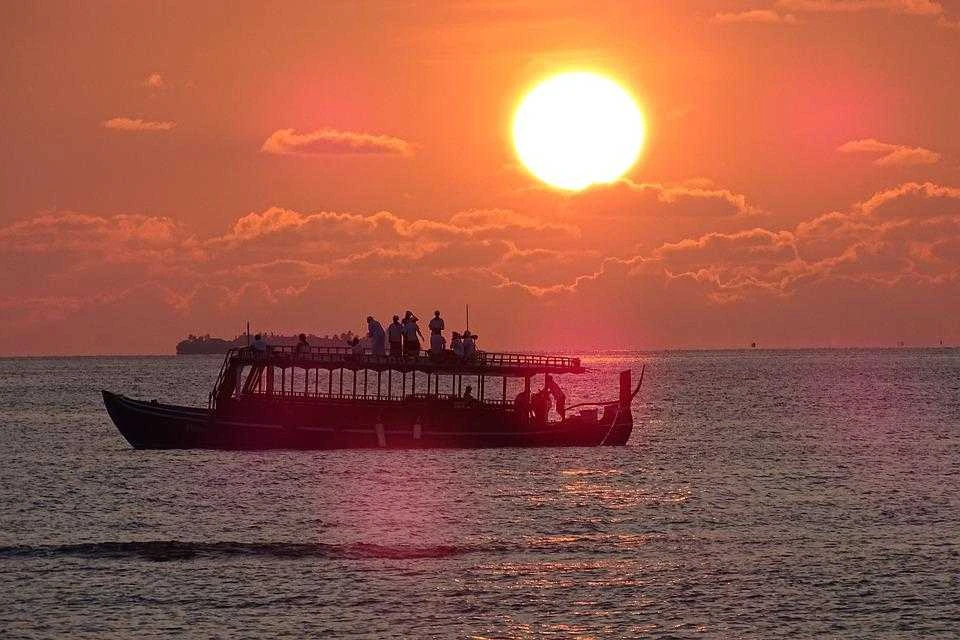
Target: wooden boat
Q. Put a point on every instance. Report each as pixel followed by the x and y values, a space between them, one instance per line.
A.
pixel 330 398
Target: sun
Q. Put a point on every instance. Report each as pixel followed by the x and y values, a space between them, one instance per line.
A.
pixel 577 129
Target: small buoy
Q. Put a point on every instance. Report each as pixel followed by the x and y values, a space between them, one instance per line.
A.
pixel 417 429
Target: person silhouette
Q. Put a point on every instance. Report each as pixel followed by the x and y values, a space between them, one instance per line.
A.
pixel 395 336
pixel 436 324
pixel 377 335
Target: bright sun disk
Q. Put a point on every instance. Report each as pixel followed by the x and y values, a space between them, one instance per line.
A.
pixel 577 129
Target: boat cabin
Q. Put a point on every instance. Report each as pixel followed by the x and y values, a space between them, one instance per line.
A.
pixel 321 374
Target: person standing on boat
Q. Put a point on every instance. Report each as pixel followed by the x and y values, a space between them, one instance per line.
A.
pixel 377 335
pixel 558 395
pixel 303 347
pixel 259 346
pixel 438 344
pixel 541 405
pixel 469 346
pixel 395 334
pixel 411 335
pixel 436 324
pixel 456 345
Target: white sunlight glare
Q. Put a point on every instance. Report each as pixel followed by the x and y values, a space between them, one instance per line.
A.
pixel 576 129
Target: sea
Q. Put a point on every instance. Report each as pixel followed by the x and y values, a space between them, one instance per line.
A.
pixel 763 494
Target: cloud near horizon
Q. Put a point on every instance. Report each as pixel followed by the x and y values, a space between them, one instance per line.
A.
pixel 137 124
pixel 763 16
pixel 329 141
pixel 891 154
pixel 290 270
pixel 912 7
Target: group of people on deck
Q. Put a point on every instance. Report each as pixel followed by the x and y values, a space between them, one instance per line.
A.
pixel 404 338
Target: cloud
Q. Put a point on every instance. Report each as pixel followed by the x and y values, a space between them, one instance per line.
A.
pixel 764 16
pixel 722 275
pixel 69 231
pixel 332 141
pixel 689 199
pixel 131 124
pixel 913 200
pixel 913 7
pixel 892 155
pixel 155 81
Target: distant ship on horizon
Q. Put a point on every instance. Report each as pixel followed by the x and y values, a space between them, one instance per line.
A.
pixel 206 344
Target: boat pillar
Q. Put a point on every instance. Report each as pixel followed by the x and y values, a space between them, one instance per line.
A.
pixel 626 389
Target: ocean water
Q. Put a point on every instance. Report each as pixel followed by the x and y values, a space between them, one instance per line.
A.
pixel 763 494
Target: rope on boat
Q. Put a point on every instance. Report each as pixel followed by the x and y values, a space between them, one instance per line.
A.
pixel 612 425
pixel 620 406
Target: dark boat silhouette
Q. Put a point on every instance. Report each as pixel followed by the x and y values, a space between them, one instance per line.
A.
pixel 330 398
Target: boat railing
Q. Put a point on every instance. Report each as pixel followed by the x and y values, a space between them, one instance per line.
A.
pixel 300 395
pixel 489 359
pixel 499 359
pixel 482 363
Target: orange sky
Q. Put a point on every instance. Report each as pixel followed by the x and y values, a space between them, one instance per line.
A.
pixel 168 169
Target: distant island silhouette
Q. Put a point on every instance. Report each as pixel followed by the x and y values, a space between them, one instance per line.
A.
pixel 206 344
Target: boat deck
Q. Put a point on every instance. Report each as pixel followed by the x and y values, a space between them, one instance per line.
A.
pixel 483 363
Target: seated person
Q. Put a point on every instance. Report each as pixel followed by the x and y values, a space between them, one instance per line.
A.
pixel 456 345
pixel 356 348
pixel 541 405
pixel 521 406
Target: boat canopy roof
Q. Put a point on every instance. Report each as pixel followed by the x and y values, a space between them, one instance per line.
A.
pixel 483 363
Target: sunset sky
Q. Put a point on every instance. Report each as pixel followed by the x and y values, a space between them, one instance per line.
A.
pixel 175 168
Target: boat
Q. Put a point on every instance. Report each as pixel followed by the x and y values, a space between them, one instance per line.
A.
pixel 333 398
pixel 207 345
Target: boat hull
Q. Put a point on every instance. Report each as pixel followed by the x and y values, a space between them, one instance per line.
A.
pixel 332 424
